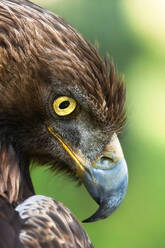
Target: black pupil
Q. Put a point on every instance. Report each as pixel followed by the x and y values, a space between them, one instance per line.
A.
pixel 64 104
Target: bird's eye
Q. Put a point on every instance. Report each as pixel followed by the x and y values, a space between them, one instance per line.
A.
pixel 64 105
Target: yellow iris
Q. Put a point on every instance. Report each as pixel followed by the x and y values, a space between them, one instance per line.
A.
pixel 64 105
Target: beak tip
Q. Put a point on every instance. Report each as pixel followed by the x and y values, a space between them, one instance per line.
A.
pixel 87 220
pixel 111 203
pixel 95 217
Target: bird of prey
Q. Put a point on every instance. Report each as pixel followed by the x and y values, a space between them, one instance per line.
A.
pixel 62 105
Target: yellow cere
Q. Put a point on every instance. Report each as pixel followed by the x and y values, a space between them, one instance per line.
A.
pixel 64 105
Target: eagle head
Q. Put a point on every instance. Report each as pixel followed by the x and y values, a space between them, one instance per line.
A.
pixel 61 104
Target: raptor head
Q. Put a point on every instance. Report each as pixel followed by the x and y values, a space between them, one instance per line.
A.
pixel 60 104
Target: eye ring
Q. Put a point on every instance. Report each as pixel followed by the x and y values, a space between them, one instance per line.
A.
pixel 64 105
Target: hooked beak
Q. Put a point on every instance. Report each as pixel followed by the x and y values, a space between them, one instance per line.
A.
pixel 106 179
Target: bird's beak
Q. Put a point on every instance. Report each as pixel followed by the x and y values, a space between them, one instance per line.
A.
pixel 106 178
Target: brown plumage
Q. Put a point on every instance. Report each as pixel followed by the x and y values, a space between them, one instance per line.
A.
pixel 42 58
pixel 10 225
pixel 43 225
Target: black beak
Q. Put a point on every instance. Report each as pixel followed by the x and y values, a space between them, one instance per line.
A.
pixel 107 187
pixel 106 179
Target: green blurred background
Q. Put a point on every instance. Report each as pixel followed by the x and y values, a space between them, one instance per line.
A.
pixel 133 32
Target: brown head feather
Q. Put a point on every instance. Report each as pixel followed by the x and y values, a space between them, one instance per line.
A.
pixel 35 43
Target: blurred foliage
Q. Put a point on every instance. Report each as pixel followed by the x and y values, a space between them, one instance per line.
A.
pixel 133 32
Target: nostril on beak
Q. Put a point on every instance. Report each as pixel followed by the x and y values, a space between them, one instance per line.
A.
pixel 106 162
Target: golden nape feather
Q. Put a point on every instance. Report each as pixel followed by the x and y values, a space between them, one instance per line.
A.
pixel 62 106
